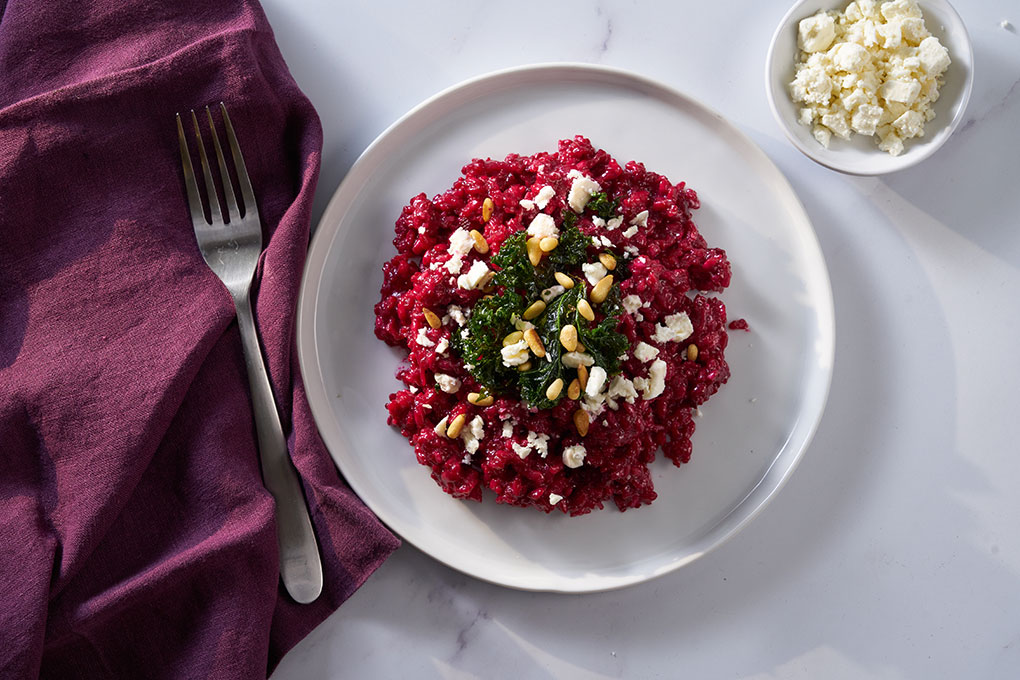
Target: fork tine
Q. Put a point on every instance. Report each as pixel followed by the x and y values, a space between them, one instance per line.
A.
pixel 194 198
pixel 247 195
pixel 210 186
pixel 228 187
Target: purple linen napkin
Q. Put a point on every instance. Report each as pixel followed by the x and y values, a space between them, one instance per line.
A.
pixel 136 538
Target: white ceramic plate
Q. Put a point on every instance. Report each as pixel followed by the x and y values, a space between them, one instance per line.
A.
pixel 860 155
pixel 753 431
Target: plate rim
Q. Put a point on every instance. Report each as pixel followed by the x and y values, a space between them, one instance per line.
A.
pixel 318 400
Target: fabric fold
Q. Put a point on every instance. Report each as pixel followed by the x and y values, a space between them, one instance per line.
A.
pixel 136 538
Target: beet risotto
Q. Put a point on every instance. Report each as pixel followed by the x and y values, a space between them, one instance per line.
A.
pixel 557 334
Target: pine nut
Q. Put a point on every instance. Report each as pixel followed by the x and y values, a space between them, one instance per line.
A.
pixel 534 251
pixel 431 317
pixel 581 347
pixel 608 261
pixel 582 376
pixel 568 337
pixel 454 428
pixel 564 280
pixel 487 207
pixel 480 400
pixel 553 391
pixel 526 366
pixel 534 342
pixel 548 244
pixel 440 427
pixel 581 421
pixel 601 289
pixel 514 337
pixel 586 310
pixel 574 390
pixel 536 308
pixel 481 245
pixel 692 352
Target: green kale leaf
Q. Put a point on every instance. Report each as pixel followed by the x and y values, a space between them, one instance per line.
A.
pixel 479 343
pixel 602 205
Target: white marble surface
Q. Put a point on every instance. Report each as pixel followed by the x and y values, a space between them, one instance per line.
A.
pixel 894 551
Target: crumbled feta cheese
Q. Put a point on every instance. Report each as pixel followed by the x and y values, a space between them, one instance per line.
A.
pixel 447 383
pixel 656 382
pixel 522 325
pixel 622 387
pixel 466 459
pixel 575 359
pixel 581 190
pixel 543 197
pixel 515 354
pixel 412 389
pixel 473 434
pixel 554 498
pixel 573 456
pixel 879 64
pixel 423 338
pixel 815 33
pixel 598 221
pixel 475 276
pixel 631 304
pixel 640 220
pixel 631 251
pixel 522 450
pixel 508 429
pixel 526 204
pixel 551 293
pixel 614 223
pixel 596 380
pixel 645 352
pixel 630 232
pixel 542 226
pixel 678 327
pixel 455 313
pixel 539 442
pixel 594 271
pixel 442 345
pixel 461 243
pixel 603 241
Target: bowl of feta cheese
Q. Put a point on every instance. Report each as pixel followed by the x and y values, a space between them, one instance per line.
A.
pixel 869 87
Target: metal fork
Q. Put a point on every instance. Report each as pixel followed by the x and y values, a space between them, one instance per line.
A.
pixel 231 247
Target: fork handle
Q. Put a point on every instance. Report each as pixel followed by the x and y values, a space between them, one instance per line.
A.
pixel 300 564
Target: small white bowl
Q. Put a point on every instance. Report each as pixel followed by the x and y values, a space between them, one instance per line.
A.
pixel 860 155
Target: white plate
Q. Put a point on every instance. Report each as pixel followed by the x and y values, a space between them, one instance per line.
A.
pixel 753 431
pixel 860 155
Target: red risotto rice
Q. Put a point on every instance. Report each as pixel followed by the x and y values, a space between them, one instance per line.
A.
pixel 551 307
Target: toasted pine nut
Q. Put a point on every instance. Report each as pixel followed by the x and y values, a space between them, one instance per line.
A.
pixel 553 391
pixel 526 366
pixel 581 347
pixel 534 251
pixel 440 427
pixel 608 261
pixel 548 244
pixel 586 310
pixel 601 289
pixel 454 428
pixel 574 390
pixel 480 400
pixel 487 207
pixel 516 336
pixel 534 342
pixel 581 421
pixel 582 376
pixel 481 245
pixel 568 337
pixel 564 280
pixel 692 352
pixel 536 308
pixel 431 317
